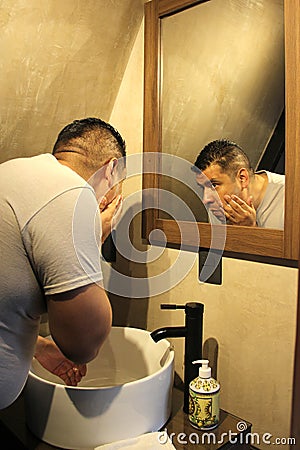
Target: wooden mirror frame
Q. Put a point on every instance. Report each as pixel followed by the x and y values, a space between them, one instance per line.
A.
pixel 245 240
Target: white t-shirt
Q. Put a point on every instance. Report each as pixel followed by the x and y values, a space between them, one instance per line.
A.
pixel 49 243
pixel 270 212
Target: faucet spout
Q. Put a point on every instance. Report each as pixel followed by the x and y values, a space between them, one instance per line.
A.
pixel 168 332
pixel 192 332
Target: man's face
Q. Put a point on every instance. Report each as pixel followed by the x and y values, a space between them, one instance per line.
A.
pixel 215 184
pixel 107 183
pixel 114 191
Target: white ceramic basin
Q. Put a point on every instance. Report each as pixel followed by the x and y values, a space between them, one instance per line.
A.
pixel 126 392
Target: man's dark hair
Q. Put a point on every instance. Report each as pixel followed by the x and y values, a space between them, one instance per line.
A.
pixel 227 154
pixel 94 139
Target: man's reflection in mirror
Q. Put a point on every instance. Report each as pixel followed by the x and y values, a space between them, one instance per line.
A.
pixel 246 197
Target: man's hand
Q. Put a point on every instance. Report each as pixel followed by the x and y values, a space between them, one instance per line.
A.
pixel 239 212
pixel 110 213
pixel 51 358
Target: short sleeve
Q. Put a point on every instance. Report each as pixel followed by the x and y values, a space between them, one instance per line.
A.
pixel 63 241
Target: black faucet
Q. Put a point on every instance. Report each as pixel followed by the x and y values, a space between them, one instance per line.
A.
pixel 192 332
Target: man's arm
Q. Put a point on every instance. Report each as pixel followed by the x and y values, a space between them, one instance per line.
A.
pixel 79 321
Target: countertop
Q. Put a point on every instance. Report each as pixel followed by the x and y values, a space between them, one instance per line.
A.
pixel 13 430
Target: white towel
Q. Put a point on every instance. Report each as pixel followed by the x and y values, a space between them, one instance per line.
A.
pixel 157 440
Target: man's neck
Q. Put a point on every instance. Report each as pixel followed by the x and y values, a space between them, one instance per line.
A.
pixel 258 188
pixel 73 164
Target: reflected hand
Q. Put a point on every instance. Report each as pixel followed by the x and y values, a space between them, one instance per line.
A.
pixel 239 212
pixel 52 359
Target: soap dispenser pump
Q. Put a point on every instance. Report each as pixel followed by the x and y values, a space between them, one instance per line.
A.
pixel 204 393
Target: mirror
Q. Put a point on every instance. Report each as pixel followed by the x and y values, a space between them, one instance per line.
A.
pixel 168 128
pixel 222 76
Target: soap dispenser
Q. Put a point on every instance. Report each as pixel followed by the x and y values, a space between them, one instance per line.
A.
pixel 204 393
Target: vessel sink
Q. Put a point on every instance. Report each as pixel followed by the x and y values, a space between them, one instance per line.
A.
pixel 127 392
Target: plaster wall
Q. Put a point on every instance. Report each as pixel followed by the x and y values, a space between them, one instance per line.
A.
pixel 60 61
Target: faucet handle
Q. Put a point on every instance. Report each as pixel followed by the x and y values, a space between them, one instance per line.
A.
pixel 192 309
pixel 171 306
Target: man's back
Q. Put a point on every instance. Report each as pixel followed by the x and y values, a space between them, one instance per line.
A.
pixel 34 194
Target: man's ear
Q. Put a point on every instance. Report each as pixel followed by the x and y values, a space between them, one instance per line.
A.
pixel 109 171
pixel 243 177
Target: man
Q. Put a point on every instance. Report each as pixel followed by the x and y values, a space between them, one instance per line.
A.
pixel 50 235
pixel 232 189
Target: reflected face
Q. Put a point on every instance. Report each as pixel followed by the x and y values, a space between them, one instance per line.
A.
pixel 215 184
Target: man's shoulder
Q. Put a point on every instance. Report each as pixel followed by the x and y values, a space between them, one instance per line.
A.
pixel 276 178
pixel 273 177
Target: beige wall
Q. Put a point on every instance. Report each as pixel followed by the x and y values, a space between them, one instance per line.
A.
pixel 251 315
pixel 60 61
